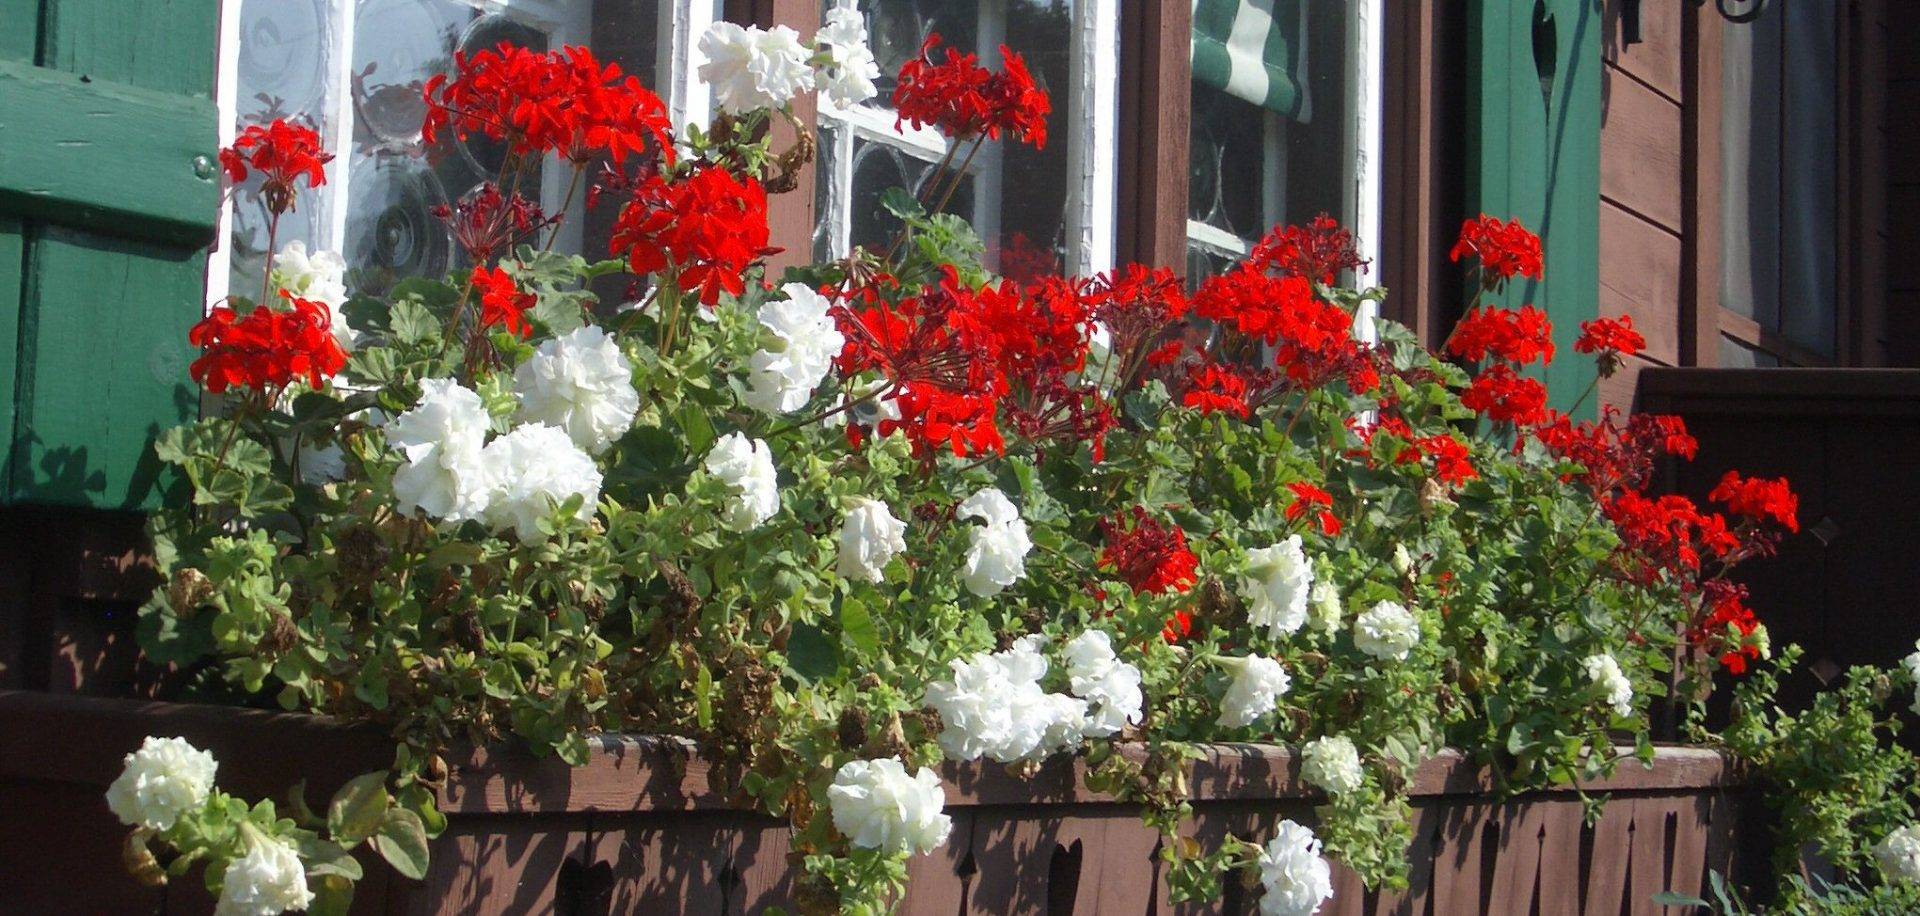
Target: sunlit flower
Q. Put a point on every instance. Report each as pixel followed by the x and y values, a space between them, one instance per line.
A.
pixel 781 377
pixel 320 277
pixel 266 880
pixel 1386 631
pixel 870 537
pixel 1258 684
pixel 751 68
pixel 1110 686
pixel 1275 583
pixel 1332 763
pixel 165 778
pixel 997 549
pixel 844 65
pixel 993 706
pixel 533 470
pixel 1899 855
pixel 442 438
pixel 581 383
pixel 1296 877
pixel 745 466
pixel 877 805
pixel 1611 682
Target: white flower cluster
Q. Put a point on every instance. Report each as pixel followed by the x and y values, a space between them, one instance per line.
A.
pixel 997 551
pixel 1276 584
pixel 1110 686
pixel 268 879
pixel 1912 664
pixel 1258 684
pixel 1611 682
pixel 878 805
pixel 1328 609
pixel 1899 855
pixel 318 277
pixel 580 383
pixel 746 467
pixel 995 707
pixel 1296 877
pixel 870 537
pixel 1332 763
pixel 781 377
pixel 1386 631
pixel 165 778
pixel 751 68
pixel 453 474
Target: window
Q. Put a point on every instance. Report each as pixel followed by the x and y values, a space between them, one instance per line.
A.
pixel 354 70
pixel 1038 211
pixel 1780 216
pixel 1285 123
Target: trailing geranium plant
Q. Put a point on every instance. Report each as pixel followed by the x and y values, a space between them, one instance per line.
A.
pixel 892 510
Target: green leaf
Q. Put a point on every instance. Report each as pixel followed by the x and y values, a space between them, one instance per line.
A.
pixel 811 654
pixel 703 696
pixel 1669 898
pixel 856 624
pixel 901 204
pixel 412 323
pixel 332 895
pixel 357 809
pixel 402 841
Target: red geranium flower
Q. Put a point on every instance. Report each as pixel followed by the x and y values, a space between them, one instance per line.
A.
pixel 502 304
pixel 1177 627
pixel 1503 396
pixel 708 227
pixel 1318 251
pixel 1517 336
pixel 1611 340
pixel 1450 456
pixel 1213 388
pixel 1505 250
pixel 963 99
pixel 1151 557
pixel 486 222
pixel 1309 498
pixel 283 152
pixel 563 102
pixel 267 348
pixel 1759 499
pixel 1728 626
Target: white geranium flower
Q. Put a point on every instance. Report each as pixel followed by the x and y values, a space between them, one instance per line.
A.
pixel 1296 877
pixel 746 466
pixel 781 378
pixel 1327 608
pixel 320 277
pixel 267 880
pixel 753 68
pixel 1332 763
pixel 1110 686
pixel 441 438
pixel 165 778
pixel 1912 664
pixel 844 65
pixel 1275 584
pixel 1612 682
pixel 997 551
pixel 994 706
pixel 534 469
pixel 869 538
pixel 1899 855
pixel 1387 631
pixel 581 383
pixel 877 805
pixel 1258 684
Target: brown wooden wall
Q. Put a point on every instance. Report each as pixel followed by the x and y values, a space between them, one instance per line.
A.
pixel 1900 133
pixel 640 828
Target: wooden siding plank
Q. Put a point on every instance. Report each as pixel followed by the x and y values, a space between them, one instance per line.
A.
pixel 940 882
pixel 1516 871
pixel 1640 277
pixel 1605 889
pixel 1155 72
pixel 1640 159
pixel 1656 59
pixel 667 863
pixel 1417 899
pixel 1459 869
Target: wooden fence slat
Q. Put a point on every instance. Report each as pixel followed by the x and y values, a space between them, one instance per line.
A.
pixel 485 866
pixel 666 864
pixel 1418 897
pixel 1688 875
pixel 1560 873
pixel 1459 876
pixel 1647 865
pixel 1516 871
pixel 1607 872
pixel 939 883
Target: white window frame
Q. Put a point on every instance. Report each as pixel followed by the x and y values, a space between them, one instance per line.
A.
pixel 1092 142
pixel 681 22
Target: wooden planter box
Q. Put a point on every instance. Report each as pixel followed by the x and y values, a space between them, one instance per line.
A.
pixel 638 830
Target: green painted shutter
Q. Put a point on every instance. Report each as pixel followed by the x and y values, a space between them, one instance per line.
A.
pixel 1534 154
pixel 109 195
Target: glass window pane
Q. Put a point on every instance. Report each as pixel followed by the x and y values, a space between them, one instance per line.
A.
pixel 284 62
pixel 1260 156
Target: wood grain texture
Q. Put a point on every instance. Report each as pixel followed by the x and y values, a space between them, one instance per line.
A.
pixel 135 42
pixel 1640 153
pixel 1656 60
pixel 1155 119
pixel 1700 189
pixel 1640 275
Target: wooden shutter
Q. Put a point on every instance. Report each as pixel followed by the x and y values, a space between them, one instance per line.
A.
pixel 1533 153
pixel 109 194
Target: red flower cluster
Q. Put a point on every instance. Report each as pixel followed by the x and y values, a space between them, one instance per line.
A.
pixel 1615 456
pixel 267 348
pixel 1452 459
pixel 1728 626
pixel 1318 251
pixel 502 304
pixel 965 100
pixel 1151 557
pixel 1309 498
pixel 1177 627
pixel 563 102
pixel 1213 388
pixel 282 152
pixel 708 228
pixel 486 223
pixel 1517 336
pixel 1666 534
pixel 1504 396
pixel 1616 336
pixel 1505 250
pixel 1759 499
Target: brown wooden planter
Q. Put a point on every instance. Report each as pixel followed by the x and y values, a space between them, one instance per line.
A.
pixel 639 830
